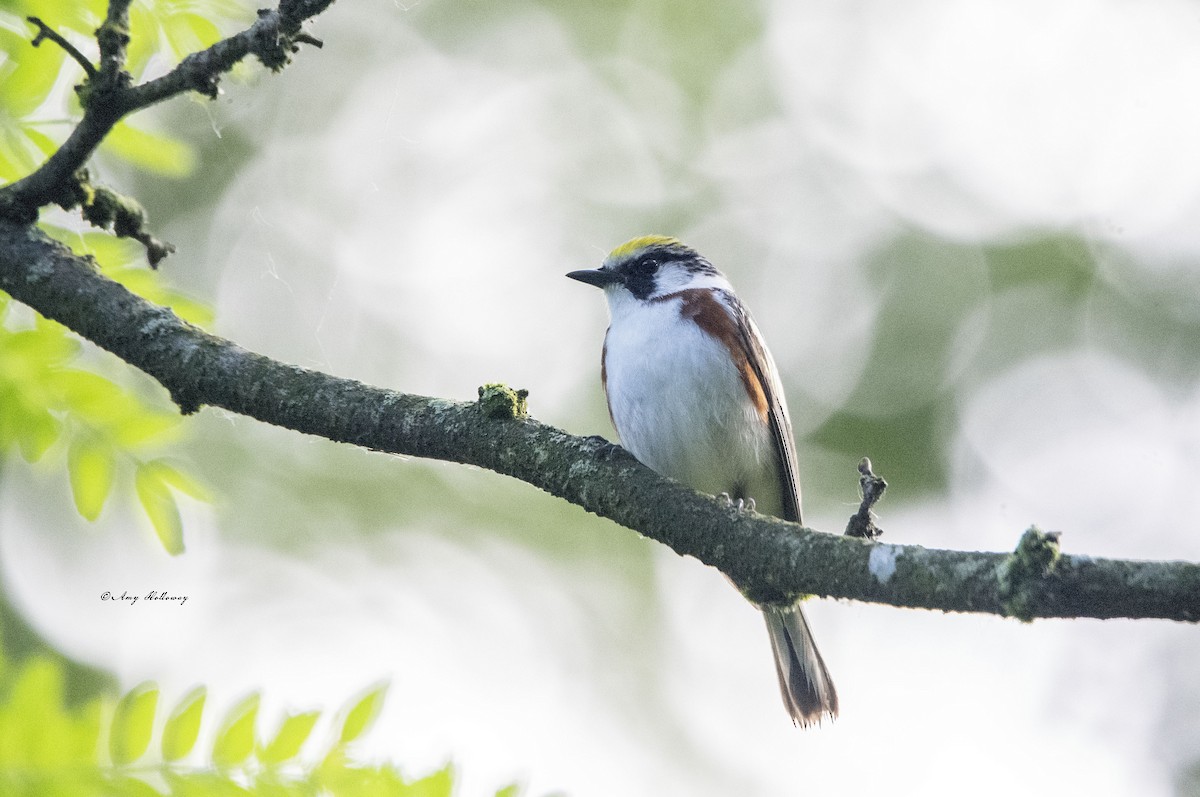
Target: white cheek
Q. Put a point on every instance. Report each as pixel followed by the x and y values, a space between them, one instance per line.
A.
pixel 673 280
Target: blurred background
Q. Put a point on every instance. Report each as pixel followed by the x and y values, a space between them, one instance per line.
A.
pixel 968 231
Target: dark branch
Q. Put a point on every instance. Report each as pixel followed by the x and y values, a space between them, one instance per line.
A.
pixel 46 32
pixel 272 39
pixel 105 208
pixel 107 97
pixel 113 38
pixel 767 558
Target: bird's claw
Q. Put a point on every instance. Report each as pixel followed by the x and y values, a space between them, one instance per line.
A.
pixel 740 504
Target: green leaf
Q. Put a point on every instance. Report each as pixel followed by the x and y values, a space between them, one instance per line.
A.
pixel 132 724
pixel 159 503
pixel 511 790
pixel 43 142
pixel 16 153
pixel 293 732
pixel 10 169
pixel 96 400
pixel 26 82
pixel 362 714
pixel 39 432
pixel 235 739
pixel 186 33
pixel 183 726
pixel 173 477
pixel 439 784
pixel 91 465
pixel 145 35
pixel 144 428
pixel 153 152
pixel 84 18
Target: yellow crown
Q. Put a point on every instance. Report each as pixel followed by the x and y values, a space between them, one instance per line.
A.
pixel 638 244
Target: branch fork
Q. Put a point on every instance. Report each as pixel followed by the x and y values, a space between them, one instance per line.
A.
pixel 108 95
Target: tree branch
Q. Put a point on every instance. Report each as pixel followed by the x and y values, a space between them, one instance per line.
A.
pixel 46 32
pixel 273 38
pixel 113 38
pixel 108 97
pixel 767 558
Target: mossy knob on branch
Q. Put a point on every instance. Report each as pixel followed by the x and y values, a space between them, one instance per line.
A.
pixel 1038 551
pixel 1025 568
pixel 500 401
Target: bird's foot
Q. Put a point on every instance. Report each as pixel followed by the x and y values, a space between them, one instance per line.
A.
pixel 740 504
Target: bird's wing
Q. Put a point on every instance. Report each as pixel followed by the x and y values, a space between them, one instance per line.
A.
pixel 763 366
pixel 719 313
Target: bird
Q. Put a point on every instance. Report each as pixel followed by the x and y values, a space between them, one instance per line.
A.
pixel 695 395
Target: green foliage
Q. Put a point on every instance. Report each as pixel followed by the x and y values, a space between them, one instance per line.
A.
pixel 176 28
pixel 235 739
pixel 292 734
pixel 362 714
pixel 132 724
pixel 91 466
pixel 48 747
pixel 48 405
pixel 159 502
pixel 32 113
pixel 107 429
pixel 27 76
pixel 153 152
pixel 183 725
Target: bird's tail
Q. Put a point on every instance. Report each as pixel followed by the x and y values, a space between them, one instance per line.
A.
pixel 808 692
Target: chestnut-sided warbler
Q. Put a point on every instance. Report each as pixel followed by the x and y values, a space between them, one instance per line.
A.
pixel 694 394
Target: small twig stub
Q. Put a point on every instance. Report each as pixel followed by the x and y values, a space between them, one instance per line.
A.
pixel 871 487
pixel 45 32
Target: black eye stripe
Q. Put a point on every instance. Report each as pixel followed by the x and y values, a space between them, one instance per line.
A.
pixel 651 262
pixel 639 276
pixel 640 273
pixel 646 265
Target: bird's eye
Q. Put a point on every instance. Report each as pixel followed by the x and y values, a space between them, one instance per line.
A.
pixel 647 265
pixel 641 276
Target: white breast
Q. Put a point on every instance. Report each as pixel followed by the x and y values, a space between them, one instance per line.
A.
pixel 680 406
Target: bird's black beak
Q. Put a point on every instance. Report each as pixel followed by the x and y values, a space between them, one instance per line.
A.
pixel 598 277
